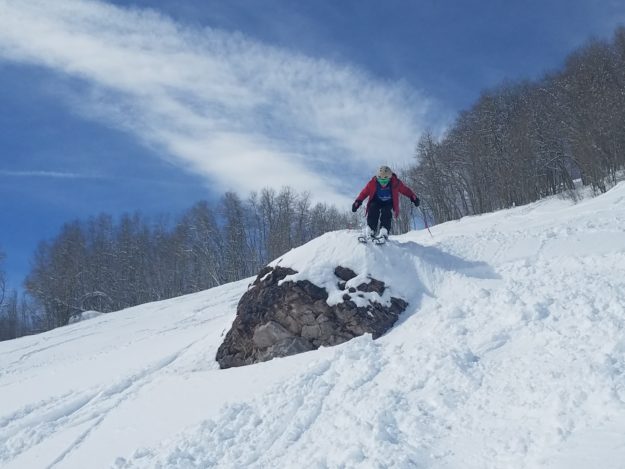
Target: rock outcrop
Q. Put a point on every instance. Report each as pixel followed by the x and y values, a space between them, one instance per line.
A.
pixel 277 318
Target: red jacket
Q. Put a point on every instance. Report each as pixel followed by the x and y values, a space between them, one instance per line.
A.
pixel 397 187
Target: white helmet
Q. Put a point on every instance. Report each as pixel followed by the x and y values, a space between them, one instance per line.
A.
pixel 385 172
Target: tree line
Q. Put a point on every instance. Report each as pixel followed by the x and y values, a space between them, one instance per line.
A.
pixel 105 264
pixel 16 313
pixel 524 141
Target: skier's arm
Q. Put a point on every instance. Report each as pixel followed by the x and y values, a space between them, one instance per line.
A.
pixel 405 190
pixel 366 192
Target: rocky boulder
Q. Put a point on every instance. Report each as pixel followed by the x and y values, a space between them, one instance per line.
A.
pixel 278 317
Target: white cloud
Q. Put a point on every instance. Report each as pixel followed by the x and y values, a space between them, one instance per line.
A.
pixel 244 114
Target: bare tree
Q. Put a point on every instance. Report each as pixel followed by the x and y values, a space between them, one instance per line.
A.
pixel 236 250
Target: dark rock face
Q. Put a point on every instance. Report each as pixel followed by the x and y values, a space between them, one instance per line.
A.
pixel 344 273
pixel 279 320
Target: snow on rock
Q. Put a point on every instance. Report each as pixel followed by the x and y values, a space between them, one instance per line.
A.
pixel 331 290
pixel 84 316
pixel 511 354
pixel 408 269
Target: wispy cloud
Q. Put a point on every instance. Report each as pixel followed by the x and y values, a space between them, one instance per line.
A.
pixel 244 114
pixel 47 174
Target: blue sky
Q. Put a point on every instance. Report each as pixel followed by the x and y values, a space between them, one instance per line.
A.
pixel 150 105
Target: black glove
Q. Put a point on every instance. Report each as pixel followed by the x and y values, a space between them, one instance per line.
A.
pixel 356 205
pixel 415 201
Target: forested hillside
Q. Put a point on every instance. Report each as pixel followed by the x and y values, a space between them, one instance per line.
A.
pixel 524 141
pixel 105 264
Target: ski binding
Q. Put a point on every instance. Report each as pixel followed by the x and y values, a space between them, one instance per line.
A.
pixel 374 239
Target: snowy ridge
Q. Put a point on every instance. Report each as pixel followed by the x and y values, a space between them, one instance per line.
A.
pixel 511 354
pixel 409 269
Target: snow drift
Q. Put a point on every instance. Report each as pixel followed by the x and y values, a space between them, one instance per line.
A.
pixel 511 354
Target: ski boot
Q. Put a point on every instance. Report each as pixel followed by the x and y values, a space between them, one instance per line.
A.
pixel 382 236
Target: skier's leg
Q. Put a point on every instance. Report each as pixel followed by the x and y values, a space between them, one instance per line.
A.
pixel 372 217
pixel 386 218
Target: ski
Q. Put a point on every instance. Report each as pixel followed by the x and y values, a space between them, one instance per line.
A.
pixel 374 240
pixel 376 237
pixel 380 240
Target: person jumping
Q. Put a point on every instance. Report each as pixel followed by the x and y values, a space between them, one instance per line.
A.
pixel 383 192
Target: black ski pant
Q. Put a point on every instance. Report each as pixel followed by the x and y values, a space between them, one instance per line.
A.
pixel 382 212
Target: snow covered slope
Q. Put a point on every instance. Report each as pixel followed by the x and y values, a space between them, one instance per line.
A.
pixel 511 354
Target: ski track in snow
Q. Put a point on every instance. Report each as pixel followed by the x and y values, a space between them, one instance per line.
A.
pixel 80 412
pixel 511 354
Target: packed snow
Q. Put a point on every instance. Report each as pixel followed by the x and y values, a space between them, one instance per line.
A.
pixel 511 355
